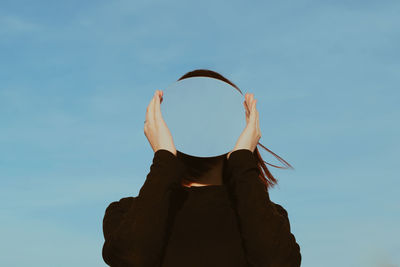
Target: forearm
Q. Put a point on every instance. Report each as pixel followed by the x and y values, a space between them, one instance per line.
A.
pixel 139 235
pixel 265 231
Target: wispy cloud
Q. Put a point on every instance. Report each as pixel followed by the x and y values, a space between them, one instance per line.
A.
pixel 40 243
pixel 12 24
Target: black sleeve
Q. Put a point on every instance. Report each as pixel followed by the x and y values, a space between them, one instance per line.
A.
pixel 134 228
pixel 264 225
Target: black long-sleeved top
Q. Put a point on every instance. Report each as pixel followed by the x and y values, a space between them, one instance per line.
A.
pixel 234 224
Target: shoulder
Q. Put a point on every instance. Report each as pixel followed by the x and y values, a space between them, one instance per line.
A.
pixel 282 212
pixel 122 204
pixel 280 209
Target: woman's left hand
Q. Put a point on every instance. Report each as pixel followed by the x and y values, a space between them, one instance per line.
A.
pixel 251 134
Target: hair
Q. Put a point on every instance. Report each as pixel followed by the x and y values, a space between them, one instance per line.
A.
pixel 196 165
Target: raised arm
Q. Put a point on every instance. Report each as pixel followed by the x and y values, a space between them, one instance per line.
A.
pixel 264 225
pixel 135 228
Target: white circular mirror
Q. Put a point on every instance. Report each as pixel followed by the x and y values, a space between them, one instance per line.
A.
pixel 205 115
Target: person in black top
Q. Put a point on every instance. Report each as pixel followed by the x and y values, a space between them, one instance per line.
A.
pixel 229 221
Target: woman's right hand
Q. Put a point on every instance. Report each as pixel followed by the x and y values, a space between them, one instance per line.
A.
pixel 251 134
pixel 155 128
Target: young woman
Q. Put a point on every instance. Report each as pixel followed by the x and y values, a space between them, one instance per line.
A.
pixel 200 212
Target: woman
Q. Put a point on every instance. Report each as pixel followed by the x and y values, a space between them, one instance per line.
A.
pixel 200 212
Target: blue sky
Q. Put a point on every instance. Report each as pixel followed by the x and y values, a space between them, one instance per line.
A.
pixel 76 78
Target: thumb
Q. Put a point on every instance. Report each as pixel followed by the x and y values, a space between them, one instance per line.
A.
pixel 246 111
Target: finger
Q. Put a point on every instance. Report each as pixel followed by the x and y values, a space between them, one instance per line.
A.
pixel 148 110
pixel 248 102
pixel 253 112
pixel 258 121
pixel 151 110
pixel 157 111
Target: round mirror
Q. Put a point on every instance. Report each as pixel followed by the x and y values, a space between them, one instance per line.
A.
pixel 205 115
